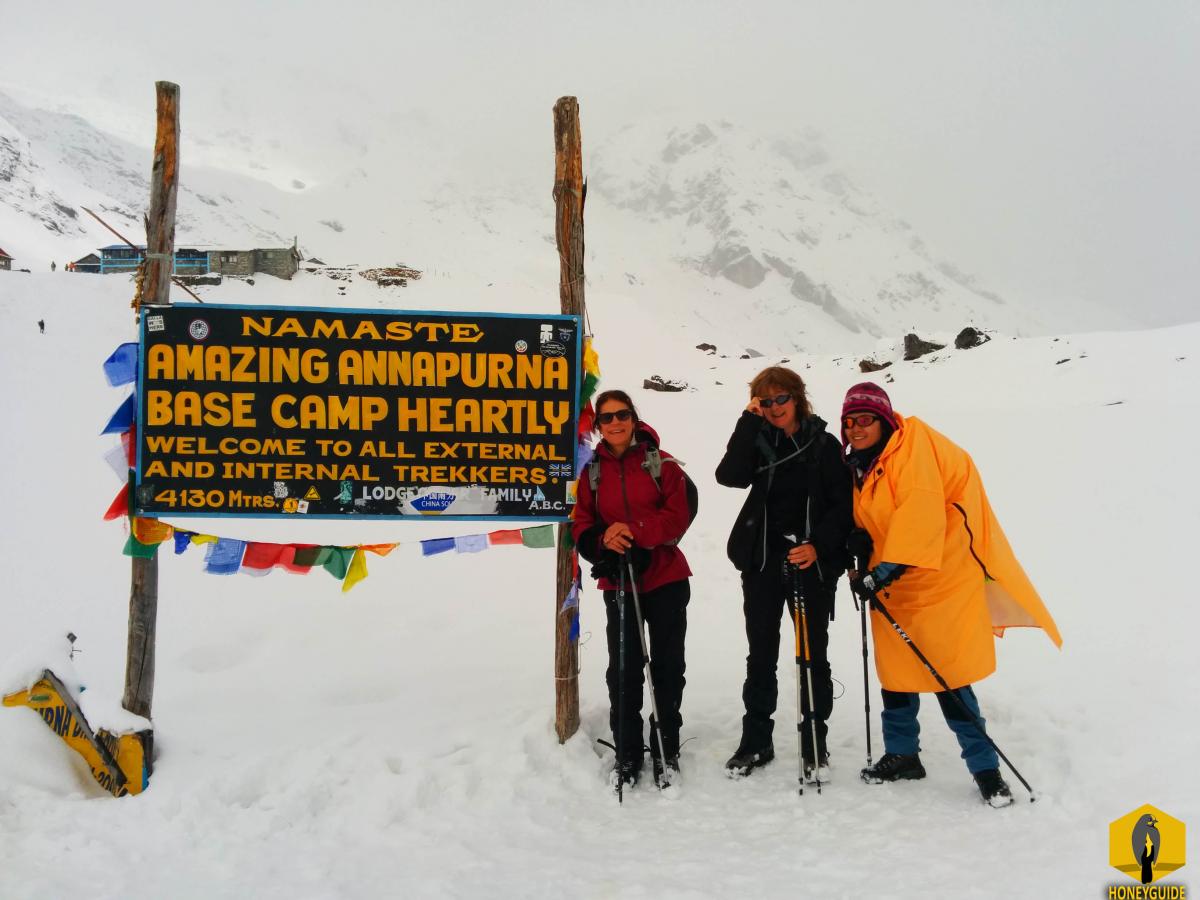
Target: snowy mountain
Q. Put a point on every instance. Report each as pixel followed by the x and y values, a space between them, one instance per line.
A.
pixel 397 741
pixel 763 234
pixel 778 219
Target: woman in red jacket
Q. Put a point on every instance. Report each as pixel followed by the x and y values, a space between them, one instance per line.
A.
pixel 630 519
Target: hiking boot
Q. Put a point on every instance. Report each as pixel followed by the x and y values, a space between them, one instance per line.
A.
pixel 746 760
pixel 993 788
pixel 894 767
pixel 806 751
pixel 821 772
pixel 626 771
pixel 665 775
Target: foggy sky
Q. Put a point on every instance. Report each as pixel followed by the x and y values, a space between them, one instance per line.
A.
pixel 1049 148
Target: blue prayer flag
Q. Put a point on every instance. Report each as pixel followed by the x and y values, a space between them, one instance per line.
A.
pixel 121 365
pixel 183 540
pixel 574 634
pixel 123 418
pixel 224 557
pixel 436 545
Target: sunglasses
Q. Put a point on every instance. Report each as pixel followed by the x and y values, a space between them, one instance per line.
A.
pixel 778 400
pixel 862 420
pixel 617 415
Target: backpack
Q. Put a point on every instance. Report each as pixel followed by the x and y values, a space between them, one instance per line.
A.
pixel 653 466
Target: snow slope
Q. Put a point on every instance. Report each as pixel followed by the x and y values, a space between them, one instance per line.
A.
pixel 397 741
pixel 758 232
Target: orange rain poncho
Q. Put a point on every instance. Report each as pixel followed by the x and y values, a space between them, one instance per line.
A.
pixel 924 505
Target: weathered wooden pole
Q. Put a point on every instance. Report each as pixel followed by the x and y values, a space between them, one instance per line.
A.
pixel 569 194
pixel 156 290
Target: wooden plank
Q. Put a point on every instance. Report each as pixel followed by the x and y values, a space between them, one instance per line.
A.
pixel 156 289
pixel 569 193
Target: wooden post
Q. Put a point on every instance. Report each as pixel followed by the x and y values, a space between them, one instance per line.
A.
pixel 569 194
pixel 156 290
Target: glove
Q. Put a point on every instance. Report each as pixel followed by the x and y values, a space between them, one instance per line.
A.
pixel 882 575
pixel 860 546
pixel 607 565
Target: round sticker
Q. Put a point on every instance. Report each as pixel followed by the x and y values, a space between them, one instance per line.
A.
pixel 198 329
pixel 522 346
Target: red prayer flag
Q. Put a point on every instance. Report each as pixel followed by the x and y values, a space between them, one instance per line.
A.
pixel 119 506
pixel 587 419
pixel 511 536
pixel 267 556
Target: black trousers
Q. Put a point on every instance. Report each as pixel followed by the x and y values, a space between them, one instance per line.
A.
pixel 665 612
pixel 764 598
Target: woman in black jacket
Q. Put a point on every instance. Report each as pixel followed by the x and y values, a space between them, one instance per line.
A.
pixel 798 514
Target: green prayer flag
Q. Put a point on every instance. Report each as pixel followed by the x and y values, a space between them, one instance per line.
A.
pixel 565 539
pixel 134 547
pixel 337 562
pixel 589 387
pixel 539 536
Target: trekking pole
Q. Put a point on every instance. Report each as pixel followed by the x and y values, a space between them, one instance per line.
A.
pixel 812 697
pixel 655 723
pixel 620 735
pixel 972 717
pixel 787 569
pixel 862 567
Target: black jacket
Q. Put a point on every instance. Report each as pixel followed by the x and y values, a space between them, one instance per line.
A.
pixel 757 456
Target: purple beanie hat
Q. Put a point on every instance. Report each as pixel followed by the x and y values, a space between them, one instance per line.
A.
pixel 869 398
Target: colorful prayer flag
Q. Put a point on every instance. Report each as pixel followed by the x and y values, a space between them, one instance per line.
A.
pixel 436 545
pixel 120 505
pixel 123 418
pixel 470 543
pixel 134 547
pixel 538 537
pixel 151 531
pixel 121 365
pixel 224 557
pixel 505 536
pixel 357 571
pixel 337 561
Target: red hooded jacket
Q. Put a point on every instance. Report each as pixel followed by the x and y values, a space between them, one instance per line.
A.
pixel 628 494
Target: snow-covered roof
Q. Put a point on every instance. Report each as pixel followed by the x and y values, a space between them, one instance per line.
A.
pixel 5 255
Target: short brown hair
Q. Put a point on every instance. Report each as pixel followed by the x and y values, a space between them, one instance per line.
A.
pixel 787 381
pixel 620 397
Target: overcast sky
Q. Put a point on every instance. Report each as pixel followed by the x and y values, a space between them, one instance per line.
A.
pixel 1050 148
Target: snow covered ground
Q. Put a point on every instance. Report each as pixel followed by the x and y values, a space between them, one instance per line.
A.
pixel 397 741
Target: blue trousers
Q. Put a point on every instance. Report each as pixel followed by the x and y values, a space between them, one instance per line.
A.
pixel 901 730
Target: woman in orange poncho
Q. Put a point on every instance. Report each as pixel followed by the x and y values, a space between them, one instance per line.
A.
pixel 943 567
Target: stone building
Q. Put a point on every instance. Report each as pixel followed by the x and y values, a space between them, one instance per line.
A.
pixel 282 262
pixel 5 261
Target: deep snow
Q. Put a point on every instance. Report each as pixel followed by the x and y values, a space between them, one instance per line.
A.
pixel 397 741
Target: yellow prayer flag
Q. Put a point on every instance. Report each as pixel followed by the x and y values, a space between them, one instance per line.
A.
pixel 204 538
pixel 591 362
pixel 357 571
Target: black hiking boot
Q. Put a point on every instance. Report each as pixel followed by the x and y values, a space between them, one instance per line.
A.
pixel 626 771
pixel 894 767
pixel 993 788
pixel 806 751
pixel 747 759
pixel 664 776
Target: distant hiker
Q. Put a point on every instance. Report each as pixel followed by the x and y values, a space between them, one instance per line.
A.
pixel 798 514
pixel 52 265
pixel 940 563
pixel 42 326
pixel 634 517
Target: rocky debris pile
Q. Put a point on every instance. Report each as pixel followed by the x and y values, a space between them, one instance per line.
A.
pixel 397 276
pixel 669 385
pixel 914 347
pixel 970 337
